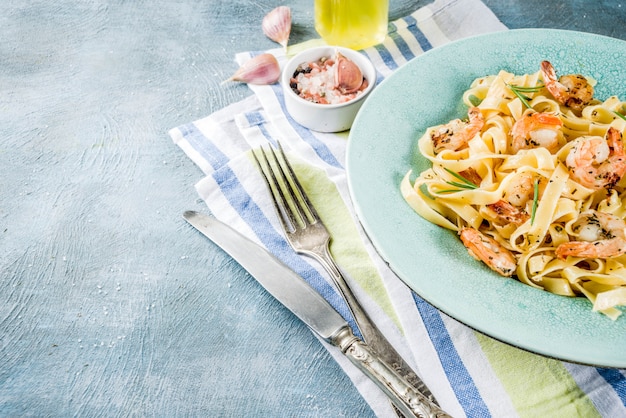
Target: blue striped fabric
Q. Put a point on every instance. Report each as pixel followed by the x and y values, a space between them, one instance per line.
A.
pixel 205 147
pixel 456 372
pixel 419 36
pixel 617 380
pixel 240 200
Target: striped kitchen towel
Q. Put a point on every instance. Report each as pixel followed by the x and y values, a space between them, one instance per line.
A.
pixel 470 374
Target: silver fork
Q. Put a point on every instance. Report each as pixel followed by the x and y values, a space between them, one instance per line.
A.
pixel 307 235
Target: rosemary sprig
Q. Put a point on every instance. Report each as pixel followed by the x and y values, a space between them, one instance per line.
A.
pixel 518 90
pixel 464 184
pixel 535 201
pixel 533 89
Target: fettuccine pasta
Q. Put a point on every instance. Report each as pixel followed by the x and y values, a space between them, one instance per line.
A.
pixel 534 183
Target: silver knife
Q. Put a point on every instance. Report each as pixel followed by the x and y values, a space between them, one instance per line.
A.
pixel 311 308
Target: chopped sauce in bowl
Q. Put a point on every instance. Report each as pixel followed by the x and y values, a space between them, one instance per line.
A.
pixel 320 82
pixel 324 87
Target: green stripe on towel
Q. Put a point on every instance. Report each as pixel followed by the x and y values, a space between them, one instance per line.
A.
pixel 346 245
pixel 523 373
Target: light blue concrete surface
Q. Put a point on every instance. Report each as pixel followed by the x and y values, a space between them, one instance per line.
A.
pixel 110 305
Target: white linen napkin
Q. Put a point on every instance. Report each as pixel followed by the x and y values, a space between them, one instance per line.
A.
pixel 469 374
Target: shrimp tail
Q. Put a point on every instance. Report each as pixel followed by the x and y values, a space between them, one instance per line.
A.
pixel 489 251
pixel 572 90
pixel 597 249
pixel 552 84
pixel 614 138
pixel 573 248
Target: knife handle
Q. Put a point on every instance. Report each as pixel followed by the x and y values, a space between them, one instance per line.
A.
pixel 407 399
pixel 372 336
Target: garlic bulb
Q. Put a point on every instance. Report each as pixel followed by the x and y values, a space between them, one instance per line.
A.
pixel 277 25
pixel 262 69
pixel 348 76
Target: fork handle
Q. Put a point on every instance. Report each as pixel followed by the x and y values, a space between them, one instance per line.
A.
pixel 405 398
pixel 370 332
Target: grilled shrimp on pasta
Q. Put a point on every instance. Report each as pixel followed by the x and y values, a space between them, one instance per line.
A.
pixel 533 182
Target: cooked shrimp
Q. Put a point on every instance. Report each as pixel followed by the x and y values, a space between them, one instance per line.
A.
pixel 521 189
pixel 456 134
pixel 572 90
pixel 596 162
pixel 489 251
pixel 508 213
pixel 600 235
pixel 512 207
pixel 536 129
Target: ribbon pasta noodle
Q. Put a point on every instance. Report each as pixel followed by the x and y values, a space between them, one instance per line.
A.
pixel 534 183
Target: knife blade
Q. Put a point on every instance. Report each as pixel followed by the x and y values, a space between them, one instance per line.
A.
pixel 311 308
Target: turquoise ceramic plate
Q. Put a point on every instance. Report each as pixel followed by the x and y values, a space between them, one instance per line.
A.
pixel 432 261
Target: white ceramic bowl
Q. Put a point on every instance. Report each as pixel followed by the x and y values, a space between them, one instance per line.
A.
pixel 325 117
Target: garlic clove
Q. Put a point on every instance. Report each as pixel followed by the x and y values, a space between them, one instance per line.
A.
pixel 348 75
pixel 277 25
pixel 262 69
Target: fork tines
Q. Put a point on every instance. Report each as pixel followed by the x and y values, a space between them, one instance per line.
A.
pixel 289 198
pixel 291 202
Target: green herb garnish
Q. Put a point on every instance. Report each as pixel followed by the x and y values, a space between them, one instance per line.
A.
pixel 533 89
pixel 619 114
pixel 464 184
pixel 518 90
pixel 535 201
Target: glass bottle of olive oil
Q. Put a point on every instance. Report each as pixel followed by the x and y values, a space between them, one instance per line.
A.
pixel 355 24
